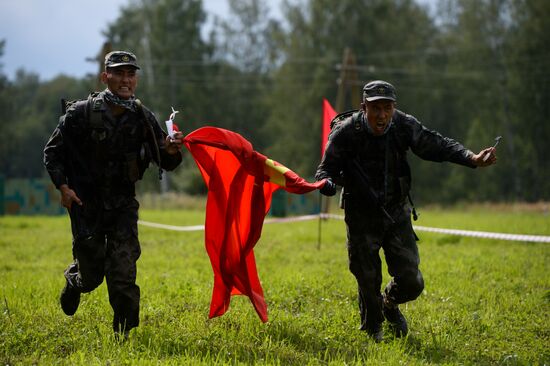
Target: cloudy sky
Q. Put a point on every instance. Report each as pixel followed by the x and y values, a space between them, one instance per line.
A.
pixel 49 37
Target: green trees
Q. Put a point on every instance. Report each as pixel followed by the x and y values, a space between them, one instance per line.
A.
pixel 528 97
pixel 166 36
pixel 500 60
pixel 244 58
pixel 474 70
pixel 29 110
pixel 388 38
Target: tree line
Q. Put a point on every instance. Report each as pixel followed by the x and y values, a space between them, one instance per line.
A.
pixel 473 70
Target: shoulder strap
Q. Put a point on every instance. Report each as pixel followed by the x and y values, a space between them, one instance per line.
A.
pixel 149 128
pixel 351 122
pixel 357 121
pixel 341 117
pixel 93 110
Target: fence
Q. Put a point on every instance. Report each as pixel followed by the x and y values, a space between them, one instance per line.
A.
pixel 29 197
pixel 39 197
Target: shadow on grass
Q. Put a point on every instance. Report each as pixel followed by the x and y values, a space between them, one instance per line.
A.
pixel 435 352
pixel 284 341
pixel 427 351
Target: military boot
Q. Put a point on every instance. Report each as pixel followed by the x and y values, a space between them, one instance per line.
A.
pixel 396 320
pixel 70 295
pixel 122 337
pixel 376 333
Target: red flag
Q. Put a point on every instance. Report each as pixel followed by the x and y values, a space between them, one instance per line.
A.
pixel 240 184
pixel 328 114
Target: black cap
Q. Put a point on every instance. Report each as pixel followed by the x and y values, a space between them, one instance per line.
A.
pixel 120 58
pixel 378 89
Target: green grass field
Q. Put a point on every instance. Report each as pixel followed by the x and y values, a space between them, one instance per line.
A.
pixel 486 302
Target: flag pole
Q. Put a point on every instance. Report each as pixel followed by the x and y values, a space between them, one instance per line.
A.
pixel 327 115
pixel 320 221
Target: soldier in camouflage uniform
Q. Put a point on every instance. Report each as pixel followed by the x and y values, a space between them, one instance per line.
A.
pixel 99 150
pixel 366 155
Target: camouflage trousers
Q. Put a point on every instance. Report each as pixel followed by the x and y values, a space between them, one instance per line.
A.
pixel 105 244
pixel 367 232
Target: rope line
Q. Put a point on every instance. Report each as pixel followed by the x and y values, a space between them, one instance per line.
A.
pixel 171 227
pixel 469 233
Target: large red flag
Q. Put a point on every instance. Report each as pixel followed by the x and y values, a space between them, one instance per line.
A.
pixel 328 114
pixel 240 184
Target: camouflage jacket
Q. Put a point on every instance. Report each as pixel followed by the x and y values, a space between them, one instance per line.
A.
pixel 383 159
pixel 101 157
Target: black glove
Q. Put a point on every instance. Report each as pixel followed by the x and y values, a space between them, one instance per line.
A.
pixel 329 189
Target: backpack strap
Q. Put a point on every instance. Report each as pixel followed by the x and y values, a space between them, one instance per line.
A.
pixel 149 128
pixel 341 117
pixel 93 110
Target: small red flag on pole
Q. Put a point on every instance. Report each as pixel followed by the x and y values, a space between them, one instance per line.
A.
pixel 328 114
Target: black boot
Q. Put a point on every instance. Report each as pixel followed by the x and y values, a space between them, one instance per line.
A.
pixel 122 333
pixel 376 332
pixel 70 295
pixel 372 323
pixel 122 337
pixel 398 323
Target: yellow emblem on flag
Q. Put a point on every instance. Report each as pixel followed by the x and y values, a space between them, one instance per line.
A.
pixel 275 172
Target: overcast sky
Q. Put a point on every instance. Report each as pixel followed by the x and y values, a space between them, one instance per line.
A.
pixel 50 37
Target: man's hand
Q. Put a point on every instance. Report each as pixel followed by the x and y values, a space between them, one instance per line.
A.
pixel 68 196
pixel 485 157
pixel 173 144
pixel 329 189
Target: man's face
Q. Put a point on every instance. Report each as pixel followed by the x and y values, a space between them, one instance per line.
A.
pixel 121 80
pixel 379 114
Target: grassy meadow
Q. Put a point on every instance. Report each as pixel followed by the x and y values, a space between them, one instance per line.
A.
pixel 486 302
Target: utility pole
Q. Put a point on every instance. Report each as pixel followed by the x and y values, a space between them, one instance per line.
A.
pixel 348 83
pixel 348 86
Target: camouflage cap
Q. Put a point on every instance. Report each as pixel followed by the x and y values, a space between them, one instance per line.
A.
pixel 120 58
pixel 378 89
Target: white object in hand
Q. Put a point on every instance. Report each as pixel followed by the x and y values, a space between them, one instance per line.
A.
pixel 497 139
pixel 170 128
pixel 170 123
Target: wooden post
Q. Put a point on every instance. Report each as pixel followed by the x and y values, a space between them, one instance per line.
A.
pixel 348 83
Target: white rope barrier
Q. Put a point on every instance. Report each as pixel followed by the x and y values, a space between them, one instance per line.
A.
pixel 171 227
pixel 469 233
pixel 487 235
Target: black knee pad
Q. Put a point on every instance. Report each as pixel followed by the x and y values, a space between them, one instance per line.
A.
pixel 90 283
pixel 413 286
pixel 405 288
pixel 88 253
